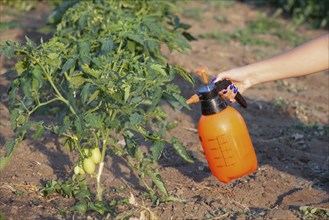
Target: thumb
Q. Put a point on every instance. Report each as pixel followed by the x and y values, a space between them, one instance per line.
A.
pixel 221 76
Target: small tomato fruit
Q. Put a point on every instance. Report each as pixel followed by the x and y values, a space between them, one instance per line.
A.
pixel 76 170
pixel 81 171
pixel 96 155
pixel 89 165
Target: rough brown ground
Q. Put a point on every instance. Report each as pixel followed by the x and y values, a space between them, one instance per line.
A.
pixel 292 152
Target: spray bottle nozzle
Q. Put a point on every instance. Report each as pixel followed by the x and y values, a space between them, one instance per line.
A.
pixel 193 99
pixel 202 71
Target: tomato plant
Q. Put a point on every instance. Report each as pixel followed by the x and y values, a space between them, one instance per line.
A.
pixel 105 76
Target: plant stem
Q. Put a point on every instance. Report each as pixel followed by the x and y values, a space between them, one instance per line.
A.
pixel 101 166
pixel 42 104
pixel 99 187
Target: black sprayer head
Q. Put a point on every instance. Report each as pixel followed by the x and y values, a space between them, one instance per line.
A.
pixel 211 101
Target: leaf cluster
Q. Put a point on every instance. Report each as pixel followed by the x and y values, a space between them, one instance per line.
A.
pixel 78 189
pixel 311 12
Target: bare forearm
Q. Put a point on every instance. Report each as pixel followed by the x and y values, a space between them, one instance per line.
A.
pixel 308 58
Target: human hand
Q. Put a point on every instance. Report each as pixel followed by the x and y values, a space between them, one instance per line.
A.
pixel 239 79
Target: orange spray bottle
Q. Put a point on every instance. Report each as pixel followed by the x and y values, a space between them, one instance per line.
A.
pixel 223 133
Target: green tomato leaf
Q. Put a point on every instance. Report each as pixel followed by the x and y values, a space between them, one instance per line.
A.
pixel 93 96
pixel 9 51
pixel 131 46
pixel 85 92
pixel 184 26
pixel 154 27
pixel 76 81
pixel 4 161
pixel 107 45
pixel 176 21
pixel 82 194
pixel 92 207
pixel 156 97
pixel 184 74
pixel 79 125
pixel 154 48
pixel 20 67
pixel 90 71
pixel 157 180
pixel 68 65
pixel 172 88
pixel 158 68
pixel 136 38
pixel 84 52
pixel 157 149
pixel 135 118
pixel 12 94
pixel 10 145
pixel 37 73
pixel 136 100
pixel 39 132
pixel 13 116
pixel 139 155
pixel 189 36
pixel 93 121
pixel 26 86
pixel 127 92
pixel 181 150
pixel 181 100
pixel 53 56
pixel 80 207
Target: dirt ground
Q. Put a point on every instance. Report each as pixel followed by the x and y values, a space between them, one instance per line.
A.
pixel 287 121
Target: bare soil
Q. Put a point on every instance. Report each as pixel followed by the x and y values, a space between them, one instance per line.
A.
pixel 287 121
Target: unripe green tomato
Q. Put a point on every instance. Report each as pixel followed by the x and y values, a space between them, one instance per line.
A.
pixel 96 155
pixel 88 165
pixel 76 170
pixel 81 171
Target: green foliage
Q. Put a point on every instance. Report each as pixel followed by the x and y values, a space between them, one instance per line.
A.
pixel 7 25
pixel 264 24
pixel 305 11
pixel 77 188
pixel 309 212
pixel 27 5
pixel 311 12
pixel 2 217
pixel 19 4
pixel 104 72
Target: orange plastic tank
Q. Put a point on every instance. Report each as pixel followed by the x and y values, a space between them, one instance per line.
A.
pixel 225 138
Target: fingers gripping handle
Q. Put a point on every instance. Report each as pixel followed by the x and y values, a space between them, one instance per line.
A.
pixel 223 84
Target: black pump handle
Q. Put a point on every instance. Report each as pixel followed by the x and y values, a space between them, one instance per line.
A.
pixel 223 84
